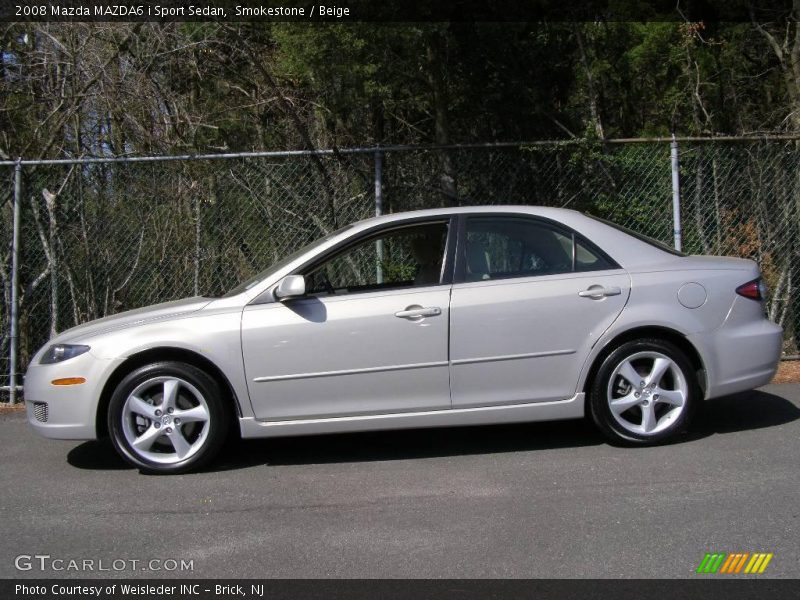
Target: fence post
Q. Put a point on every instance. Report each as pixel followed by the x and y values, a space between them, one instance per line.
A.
pixel 379 209
pixel 14 336
pixel 676 194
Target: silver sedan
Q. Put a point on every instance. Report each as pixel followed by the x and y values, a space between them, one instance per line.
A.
pixel 464 316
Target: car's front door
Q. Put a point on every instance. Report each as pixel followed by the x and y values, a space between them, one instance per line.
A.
pixel 369 337
pixel 530 299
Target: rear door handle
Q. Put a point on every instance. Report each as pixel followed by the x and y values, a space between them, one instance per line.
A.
pixel 418 312
pixel 597 291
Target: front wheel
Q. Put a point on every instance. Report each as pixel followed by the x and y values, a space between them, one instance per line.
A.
pixel 644 393
pixel 167 417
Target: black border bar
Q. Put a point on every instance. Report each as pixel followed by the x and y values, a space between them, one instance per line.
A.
pixel 702 588
pixel 390 11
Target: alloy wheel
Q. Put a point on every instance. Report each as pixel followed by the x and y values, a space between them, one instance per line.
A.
pixel 647 393
pixel 165 420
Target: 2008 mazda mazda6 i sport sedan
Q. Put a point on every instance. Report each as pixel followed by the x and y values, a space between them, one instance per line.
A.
pixel 434 318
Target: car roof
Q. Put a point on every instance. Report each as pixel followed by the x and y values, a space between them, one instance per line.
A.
pixel 557 214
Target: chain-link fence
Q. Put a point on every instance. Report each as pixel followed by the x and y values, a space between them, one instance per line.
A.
pixel 97 237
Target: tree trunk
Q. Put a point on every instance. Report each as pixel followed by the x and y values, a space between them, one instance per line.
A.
pixel 591 89
pixel 436 56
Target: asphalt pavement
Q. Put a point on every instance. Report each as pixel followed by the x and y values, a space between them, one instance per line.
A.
pixel 536 500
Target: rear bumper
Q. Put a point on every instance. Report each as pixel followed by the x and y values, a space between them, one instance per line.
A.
pixel 739 357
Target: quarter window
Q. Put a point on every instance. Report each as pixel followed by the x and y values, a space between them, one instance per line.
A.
pixel 588 260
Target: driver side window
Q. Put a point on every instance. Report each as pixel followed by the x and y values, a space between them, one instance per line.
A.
pixel 404 257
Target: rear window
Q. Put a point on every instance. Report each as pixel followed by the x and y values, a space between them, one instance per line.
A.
pixel 640 236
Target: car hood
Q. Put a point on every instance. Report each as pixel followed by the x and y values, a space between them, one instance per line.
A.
pixel 165 310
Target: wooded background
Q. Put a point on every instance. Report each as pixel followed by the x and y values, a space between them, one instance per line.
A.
pixel 99 238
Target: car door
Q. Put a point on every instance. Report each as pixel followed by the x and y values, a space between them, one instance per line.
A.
pixel 529 301
pixel 369 337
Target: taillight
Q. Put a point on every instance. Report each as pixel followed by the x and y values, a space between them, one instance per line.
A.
pixel 755 290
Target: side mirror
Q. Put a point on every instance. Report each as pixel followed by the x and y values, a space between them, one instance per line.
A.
pixel 291 286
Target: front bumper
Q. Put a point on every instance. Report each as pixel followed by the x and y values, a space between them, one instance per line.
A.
pixel 66 412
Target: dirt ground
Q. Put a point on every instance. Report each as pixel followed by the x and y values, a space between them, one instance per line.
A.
pixel 788 372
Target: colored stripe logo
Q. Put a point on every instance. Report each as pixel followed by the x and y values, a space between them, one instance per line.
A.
pixel 734 563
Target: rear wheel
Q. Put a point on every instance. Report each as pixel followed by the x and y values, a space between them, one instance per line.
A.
pixel 644 393
pixel 167 417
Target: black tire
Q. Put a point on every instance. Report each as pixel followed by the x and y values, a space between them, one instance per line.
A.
pixel 197 398
pixel 672 422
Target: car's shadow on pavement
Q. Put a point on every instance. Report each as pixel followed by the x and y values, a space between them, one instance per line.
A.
pixel 410 444
pixel 96 455
pixel 741 412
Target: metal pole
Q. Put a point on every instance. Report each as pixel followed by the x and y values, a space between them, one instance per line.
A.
pixel 14 337
pixel 676 193
pixel 379 210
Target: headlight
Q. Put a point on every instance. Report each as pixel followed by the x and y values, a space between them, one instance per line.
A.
pixel 60 352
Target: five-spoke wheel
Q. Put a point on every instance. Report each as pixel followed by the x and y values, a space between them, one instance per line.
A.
pixel 644 392
pixel 167 417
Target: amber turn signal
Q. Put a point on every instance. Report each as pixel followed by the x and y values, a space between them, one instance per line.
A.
pixel 69 381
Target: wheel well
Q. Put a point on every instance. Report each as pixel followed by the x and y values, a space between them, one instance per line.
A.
pixel 155 355
pixel 662 333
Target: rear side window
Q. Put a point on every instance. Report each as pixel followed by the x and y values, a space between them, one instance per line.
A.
pixel 507 247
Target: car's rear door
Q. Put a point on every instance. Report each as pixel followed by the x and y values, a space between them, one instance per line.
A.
pixel 530 299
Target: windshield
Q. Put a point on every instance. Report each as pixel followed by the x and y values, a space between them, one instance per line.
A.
pixel 640 236
pixel 259 277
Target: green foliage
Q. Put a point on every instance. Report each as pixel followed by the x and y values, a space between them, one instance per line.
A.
pixel 394 271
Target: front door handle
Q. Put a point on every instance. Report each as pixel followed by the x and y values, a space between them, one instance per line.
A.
pixel 596 292
pixel 418 312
